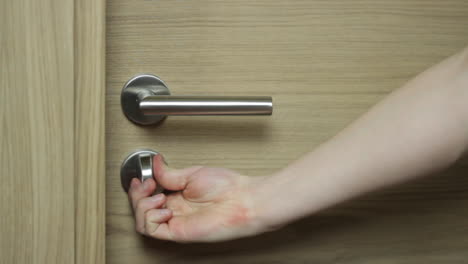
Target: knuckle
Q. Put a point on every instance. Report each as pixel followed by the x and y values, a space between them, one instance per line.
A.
pixel 151 228
pixel 132 192
pixel 139 204
pixel 139 229
pixel 149 216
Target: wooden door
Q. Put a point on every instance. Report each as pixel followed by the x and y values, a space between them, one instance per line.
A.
pixel 52 131
pixel 324 63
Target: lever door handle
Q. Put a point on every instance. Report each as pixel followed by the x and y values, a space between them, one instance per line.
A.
pixel 139 164
pixel 146 100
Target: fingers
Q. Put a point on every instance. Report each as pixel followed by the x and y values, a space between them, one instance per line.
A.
pixel 147 209
pixel 171 179
pixel 145 205
pixel 140 190
pixel 154 218
pixel 163 232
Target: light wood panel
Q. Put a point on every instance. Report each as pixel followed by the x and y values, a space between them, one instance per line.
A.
pixel 89 130
pixel 36 117
pixel 324 63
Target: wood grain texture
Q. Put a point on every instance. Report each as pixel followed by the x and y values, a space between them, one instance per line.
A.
pixel 324 63
pixel 36 118
pixel 89 131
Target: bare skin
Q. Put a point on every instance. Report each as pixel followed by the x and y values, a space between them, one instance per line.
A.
pixel 211 204
pixel 418 129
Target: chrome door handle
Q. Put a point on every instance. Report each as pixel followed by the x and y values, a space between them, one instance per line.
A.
pixel 146 100
pixel 139 164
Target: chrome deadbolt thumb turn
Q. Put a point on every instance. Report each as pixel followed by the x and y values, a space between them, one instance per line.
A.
pixel 146 100
pixel 139 164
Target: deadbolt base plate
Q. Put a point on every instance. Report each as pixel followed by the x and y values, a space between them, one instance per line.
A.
pixel 137 88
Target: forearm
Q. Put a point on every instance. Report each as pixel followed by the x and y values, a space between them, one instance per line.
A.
pixel 418 129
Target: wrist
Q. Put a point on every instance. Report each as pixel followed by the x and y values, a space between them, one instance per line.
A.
pixel 285 197
pixel 266 204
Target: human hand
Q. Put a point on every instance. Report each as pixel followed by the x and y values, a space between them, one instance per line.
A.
pixel 207 205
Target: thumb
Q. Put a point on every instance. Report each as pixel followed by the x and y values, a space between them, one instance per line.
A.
pixel 171 179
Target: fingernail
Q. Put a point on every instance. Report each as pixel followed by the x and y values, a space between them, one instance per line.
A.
pixel 158 197
pixel 165 212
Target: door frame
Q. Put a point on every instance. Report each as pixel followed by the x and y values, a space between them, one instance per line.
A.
pixel 52 126
pixel 89 140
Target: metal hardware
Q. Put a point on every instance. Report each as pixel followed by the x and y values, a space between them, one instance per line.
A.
pixel 146 100
pixel 138 164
